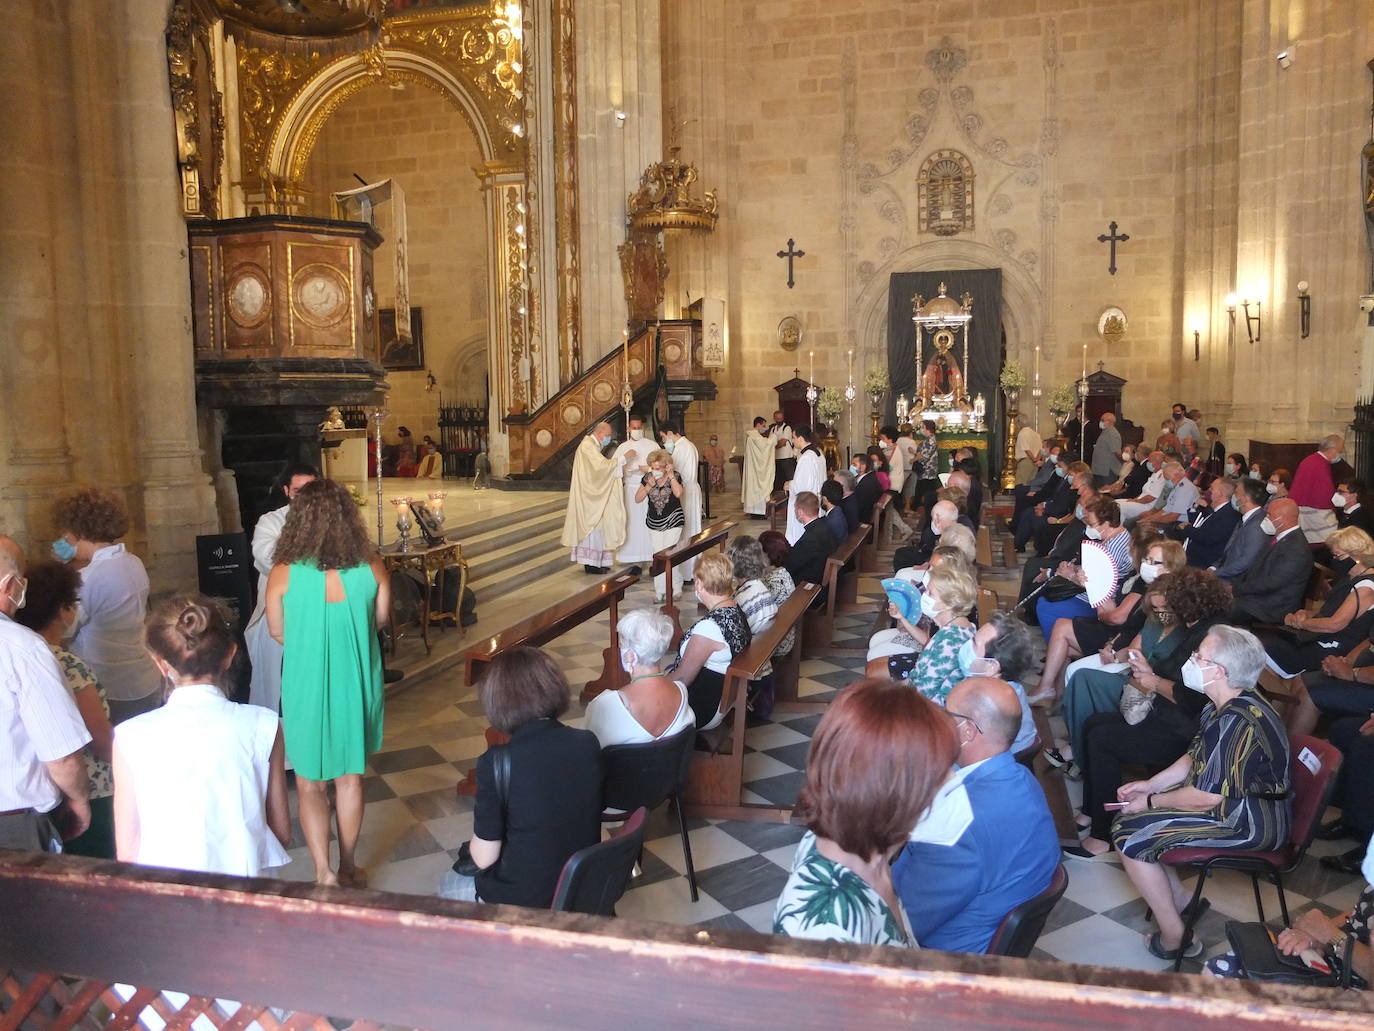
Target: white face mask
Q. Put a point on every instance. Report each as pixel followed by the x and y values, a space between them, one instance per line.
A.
pixel 1267 525
pixel 929 606
pixel 636 434
pixel 1127 456
pixel 936 528
pixel 1367 867
pixel 1149 571
pixel 1338 500
pixel 1102 424
pixel 1193 676
pixel 1230 468
pixel 1271 488
pixel 1336 458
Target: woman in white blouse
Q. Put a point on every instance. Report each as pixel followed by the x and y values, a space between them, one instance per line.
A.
pixel 651 706
pixel 200 784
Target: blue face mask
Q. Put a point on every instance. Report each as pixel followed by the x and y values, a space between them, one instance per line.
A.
pixel 853 469
pixel 63 549
pixel 968 661
pixel 1059 470
pixel 1235 502
pixel 1078 512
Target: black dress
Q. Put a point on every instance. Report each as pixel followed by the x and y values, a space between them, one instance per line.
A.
pixel 705 690
pixel 1296 650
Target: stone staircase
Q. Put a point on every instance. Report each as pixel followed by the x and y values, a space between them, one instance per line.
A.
pixel 511 551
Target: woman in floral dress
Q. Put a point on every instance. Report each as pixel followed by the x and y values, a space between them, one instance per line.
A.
pixel 875 762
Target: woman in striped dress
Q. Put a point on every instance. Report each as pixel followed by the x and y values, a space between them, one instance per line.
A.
pixel 1230 790
pixel 1102 519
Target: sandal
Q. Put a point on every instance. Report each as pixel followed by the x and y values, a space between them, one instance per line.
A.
pixel 1188 913
pixel 1191 949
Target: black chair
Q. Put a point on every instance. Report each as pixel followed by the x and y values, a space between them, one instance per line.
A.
pixel 1020 929
pixel 648 775
pixel 594 878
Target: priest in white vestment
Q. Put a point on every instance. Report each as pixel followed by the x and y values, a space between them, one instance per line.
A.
pixel 809 476
pixel 757 474
pixel 686 460
pixel 595 524
pixel 632 459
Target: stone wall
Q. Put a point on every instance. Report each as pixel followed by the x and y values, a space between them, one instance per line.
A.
pixel 1172 119
pixel 418 138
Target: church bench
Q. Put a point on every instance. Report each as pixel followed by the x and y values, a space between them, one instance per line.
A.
pixel 416 961
pixel 775 511
pixel 820 623
pixel 712 536
pixel 715 782
pixel 868 554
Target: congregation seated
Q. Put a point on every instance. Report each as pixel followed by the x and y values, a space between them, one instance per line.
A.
pixel 1208 525
pixel 907 638
pixel 849 502
pixel 875 761
pixel 1350 507
pixel 878 463
pixel 1193 462
pixel 1168 441
pixel 1236 466
pixel 964 477
pixel 1003 648
pixel 1065 547
pixel 832 497
pixel 1354 794
pixel 1150 488
pixel 1337 688
pixel 1044 483
pixel 1248 538
pixel 1176 496
pixel 1101 524
pixel 867 489
pixel 538 796
pixel 651 705
pixel 49 609
pixel 712 642
pixel 1073 638
pixel 1132 484
pixel 987 843
pixel 1043 522
pixel 806 562
pixel 1345 618
pixel 759 606
pixel 950 593
pixel 1280 483
pixel 1228 790
pixel 944 515
pixel 1276 581
pixel 777 579
pixel 1158 717
pixel 1128 466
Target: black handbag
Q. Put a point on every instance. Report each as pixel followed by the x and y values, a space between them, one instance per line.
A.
pixel 1259 959
pixel 500 760
pixel 1061 588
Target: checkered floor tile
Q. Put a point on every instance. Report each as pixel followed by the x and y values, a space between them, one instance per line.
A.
pixel 414 820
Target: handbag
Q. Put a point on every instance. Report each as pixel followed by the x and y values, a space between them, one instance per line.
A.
pixel 1135 704
pixel 1259 959
pixel 500 760
pixel 1061 588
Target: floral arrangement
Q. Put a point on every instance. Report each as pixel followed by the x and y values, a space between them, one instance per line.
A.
pixel 875 380
pixel 1063 398
pixel 357 495
pixel 1013 375
pixel 830 404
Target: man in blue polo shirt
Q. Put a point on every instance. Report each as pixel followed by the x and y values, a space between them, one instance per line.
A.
pixel 987 843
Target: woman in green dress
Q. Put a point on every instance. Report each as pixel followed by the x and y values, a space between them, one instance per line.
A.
pixel 326 596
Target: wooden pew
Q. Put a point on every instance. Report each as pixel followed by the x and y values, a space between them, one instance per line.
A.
pixel 819 630
pixel 775 511
pixel 556 620
pixel 868 554
pixel 715 782
pixel 711 537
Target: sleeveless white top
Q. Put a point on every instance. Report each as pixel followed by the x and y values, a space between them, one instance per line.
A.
pixel 613 723
pixel 200 769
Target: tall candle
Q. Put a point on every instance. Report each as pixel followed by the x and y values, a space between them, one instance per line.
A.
pixel 811 366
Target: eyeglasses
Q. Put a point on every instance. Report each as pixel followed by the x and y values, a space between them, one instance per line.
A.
pixel 970 719
pixel 1199 657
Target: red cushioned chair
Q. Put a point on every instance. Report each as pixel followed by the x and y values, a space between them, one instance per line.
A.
pixel 1020 929
pixel 1311 793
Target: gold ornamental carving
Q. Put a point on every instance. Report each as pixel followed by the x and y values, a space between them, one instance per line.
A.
pixel 197 110
pixel 566 230
pixel 666 199
pixel 304 26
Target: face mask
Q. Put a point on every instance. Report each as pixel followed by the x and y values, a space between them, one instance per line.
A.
pixel 1271 488
pixel 1093 533
pixel 936 528
pixel 608 442
pixel 668 446
pixel 1149 571
pixel 853 469
pixel 660 473
pixel 1193 676
pixel 636 434
pixel 1127 456
pixel 1060 471
pixel 1230 468
pixel 1235 502
pixel 972 665
pixel 1338 500
pixel 1078 512
pixel 1267 525
pixel 1163 617
pixel 713 442
pixel 1053 459
pixel 1367 867
pixel 1149 465
pixel 63 549
pixel 929 606
pixel 1336 459
pixel 887 448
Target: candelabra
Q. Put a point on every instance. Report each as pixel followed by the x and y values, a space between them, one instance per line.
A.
pixel 379 416
pixel 404 521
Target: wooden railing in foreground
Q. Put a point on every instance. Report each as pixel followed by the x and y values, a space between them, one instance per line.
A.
pixel 74 927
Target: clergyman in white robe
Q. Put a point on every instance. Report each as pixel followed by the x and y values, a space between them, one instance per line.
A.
pixel 757 481
pixel 595 524
pixel 686 462
pixel 809 476
pixel 637 547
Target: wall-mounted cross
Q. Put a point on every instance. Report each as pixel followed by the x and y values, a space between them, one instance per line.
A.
pixel 1114 238
pixel 789 254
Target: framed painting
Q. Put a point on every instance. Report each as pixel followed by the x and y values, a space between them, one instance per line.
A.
pixel 397 353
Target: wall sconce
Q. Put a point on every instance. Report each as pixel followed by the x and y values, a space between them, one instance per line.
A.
pixel 1252 322
pixel 1304 310
pixel 1197 345
pixel 1231 311
pixel 1284 58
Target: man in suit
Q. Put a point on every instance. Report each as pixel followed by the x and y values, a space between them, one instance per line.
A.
pixel 965 477
pixel 831 496
pixel 1275 584
pixel 1248 538
pixel 943 514
pixel 867 489
pixel 849 502
pixel 1042 484
pixel 1039 522
pixel 1210 524
pixel 806 562
pixel 1350 508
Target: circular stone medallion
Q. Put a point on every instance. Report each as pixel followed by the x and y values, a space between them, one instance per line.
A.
pixel 572 415
pixel 319 296
pixel 249 296
pixel 543 438
pixel 602 391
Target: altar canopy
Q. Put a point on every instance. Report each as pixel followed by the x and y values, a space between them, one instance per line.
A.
pixel 985 344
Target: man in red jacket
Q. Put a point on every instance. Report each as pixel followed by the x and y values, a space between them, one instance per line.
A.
pixel 1313 486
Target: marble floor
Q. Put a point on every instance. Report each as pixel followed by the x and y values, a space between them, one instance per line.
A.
pixel 415 821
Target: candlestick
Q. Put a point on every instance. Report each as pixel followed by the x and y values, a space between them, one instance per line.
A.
pixel 811 366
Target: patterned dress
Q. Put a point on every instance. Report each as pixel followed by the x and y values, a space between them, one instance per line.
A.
pixel 826 901
pixel 1358 923
pixel 779 581
pixel 928 458
pixel 935 669
pixel 1240 753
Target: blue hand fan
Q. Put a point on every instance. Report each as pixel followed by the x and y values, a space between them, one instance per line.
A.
pixel 906 596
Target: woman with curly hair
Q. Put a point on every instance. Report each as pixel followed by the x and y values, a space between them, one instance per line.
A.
pixel 326 596
pixel 1196 600
pixel 108 632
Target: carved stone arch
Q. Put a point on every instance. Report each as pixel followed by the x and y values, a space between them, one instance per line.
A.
pixel 1023 317
pixel 299 127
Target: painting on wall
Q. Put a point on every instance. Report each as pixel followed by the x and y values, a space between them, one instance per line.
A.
pixel 401 354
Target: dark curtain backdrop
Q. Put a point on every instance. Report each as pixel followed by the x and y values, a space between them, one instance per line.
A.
pixel 986 344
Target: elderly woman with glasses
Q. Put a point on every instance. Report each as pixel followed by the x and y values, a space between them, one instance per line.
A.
pixel 1229 790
